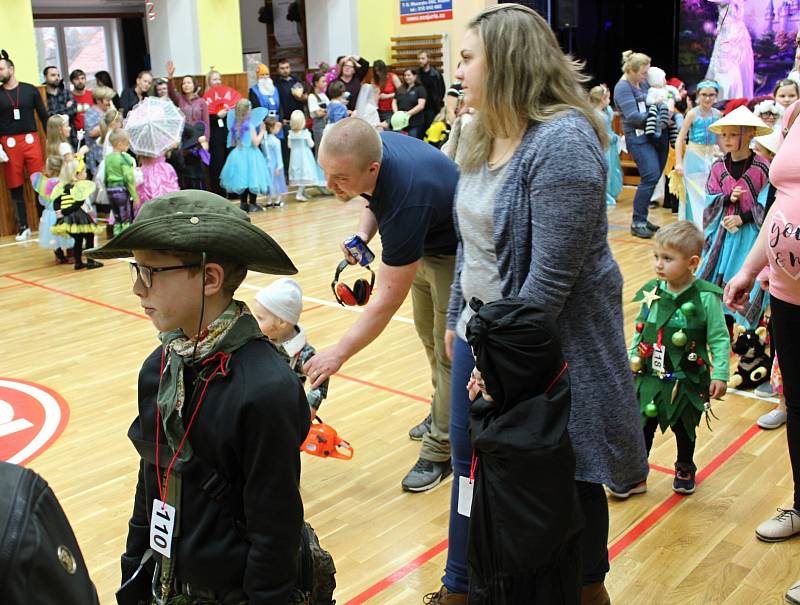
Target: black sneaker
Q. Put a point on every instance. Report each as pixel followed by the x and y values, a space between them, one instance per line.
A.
pixel 684 479
pixel 418 432
pixel 641 231
pixel 426 475
pixel 652 227
pixel 654 204
pixel 255 208
pixel 93 264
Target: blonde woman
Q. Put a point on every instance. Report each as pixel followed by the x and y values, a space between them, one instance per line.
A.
pixel 531 215
pixel 649 152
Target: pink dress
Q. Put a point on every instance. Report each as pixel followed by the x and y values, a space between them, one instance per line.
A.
pixel 158 178
pixel 783 230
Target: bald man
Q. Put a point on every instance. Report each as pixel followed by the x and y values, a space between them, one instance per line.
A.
pixel 410 187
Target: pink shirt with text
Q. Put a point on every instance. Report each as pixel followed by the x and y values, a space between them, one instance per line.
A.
pixel 783 230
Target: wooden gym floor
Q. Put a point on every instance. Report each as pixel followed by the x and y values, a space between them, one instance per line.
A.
pixel 82 335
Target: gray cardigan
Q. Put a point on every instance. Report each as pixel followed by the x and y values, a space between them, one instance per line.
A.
pixel 550 235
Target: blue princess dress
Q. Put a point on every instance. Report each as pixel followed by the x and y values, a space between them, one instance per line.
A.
pixel 614 181
pixel 44 188
pixel 245 168
pixel 303 169
pixel 271 150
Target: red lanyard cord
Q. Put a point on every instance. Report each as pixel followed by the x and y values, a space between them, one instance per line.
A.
pixel 222 359
pixel 16 105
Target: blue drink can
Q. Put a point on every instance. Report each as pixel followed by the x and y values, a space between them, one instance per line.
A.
pixel 356 246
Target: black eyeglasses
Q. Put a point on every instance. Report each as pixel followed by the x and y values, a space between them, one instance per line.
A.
pixel 146 273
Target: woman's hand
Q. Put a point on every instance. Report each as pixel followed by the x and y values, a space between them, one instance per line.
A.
pixel 170 68
pixel 222 113
pixel 736 194
pixel 737 292
pixel 472 387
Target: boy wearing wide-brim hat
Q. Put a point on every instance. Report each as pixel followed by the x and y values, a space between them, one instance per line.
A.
pixel 734 207
pixel 221 415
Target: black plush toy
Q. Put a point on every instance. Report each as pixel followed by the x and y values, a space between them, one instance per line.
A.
pixel 754 363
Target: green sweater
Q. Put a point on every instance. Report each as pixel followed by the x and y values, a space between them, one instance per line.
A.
pixel 695 318
pixel 119 172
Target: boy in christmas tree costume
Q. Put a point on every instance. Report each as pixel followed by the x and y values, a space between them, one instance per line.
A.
pixel 680 332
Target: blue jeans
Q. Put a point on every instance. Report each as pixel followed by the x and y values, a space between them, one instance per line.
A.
pixel 456 577
pixel 650 155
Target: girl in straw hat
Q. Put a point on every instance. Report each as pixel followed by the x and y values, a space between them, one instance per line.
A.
pixel 734 207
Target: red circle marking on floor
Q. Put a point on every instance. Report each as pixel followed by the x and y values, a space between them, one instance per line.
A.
pixel 31 418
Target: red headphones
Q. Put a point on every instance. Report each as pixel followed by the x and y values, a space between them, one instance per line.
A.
pixel 359 294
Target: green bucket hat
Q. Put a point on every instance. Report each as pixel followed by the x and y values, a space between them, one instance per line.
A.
pixel 199 221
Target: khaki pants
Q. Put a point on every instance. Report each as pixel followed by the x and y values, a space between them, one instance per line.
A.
pixel 430 294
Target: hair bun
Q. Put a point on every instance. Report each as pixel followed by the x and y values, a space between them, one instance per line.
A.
pixel 626 55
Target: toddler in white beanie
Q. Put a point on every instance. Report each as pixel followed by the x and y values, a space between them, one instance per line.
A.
pixel 277 310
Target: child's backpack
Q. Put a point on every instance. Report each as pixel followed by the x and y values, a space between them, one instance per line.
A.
pixel 316 572
pixel 40 561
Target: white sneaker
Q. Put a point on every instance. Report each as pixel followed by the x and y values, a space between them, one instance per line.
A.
pixel 24 234
pixel 793 594
pixel 627 491
pixel 781 527
pixel 300 197
pixel 764 390
pixel 772 420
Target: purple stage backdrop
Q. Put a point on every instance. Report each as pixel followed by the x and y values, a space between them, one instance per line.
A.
pixel 716 36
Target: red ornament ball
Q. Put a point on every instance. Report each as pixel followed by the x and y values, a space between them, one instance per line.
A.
pixel 645 350
pixel 640 327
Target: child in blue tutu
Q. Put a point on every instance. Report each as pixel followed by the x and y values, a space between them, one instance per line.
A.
pixel 44 184
pixel 271 148
pixel 245 171
pixel 303 169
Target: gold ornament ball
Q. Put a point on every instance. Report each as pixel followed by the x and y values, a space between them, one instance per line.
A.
pixel 636 363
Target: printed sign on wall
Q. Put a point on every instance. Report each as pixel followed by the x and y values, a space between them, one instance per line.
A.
pixel 420 11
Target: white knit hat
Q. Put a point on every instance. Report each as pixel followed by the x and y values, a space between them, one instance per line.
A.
pixel 283 298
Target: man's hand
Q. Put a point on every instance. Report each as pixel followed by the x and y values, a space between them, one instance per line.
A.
pixel 718 389
pixel 322 366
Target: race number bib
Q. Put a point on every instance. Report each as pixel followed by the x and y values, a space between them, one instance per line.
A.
pixel 659 361
pixel 162 523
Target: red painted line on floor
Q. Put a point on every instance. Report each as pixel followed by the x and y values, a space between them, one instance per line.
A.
pixel 312 308
pixel 383 388
pixel 398 575
pixel 662 469
pixel 81 298
pixel 667 505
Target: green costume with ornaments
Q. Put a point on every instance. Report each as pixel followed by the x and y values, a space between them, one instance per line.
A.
pixel 689 327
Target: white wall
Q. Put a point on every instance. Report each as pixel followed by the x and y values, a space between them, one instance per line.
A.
pixel 254 33
pixel 173 35
pixel 331 29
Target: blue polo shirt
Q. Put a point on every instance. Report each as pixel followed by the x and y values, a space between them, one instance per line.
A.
pixel 413 200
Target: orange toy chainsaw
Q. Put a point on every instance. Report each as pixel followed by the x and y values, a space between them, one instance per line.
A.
pixel 323 441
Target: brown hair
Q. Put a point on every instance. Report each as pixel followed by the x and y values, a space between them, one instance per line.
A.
pixel 235 272
pixel 528 79
pixel 787 82
pixel 683 236
pixel 336 89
